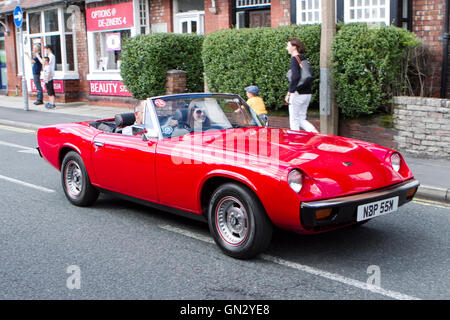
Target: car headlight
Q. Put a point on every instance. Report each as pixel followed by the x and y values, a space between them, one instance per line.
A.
pixel 295 180
pixel 396 161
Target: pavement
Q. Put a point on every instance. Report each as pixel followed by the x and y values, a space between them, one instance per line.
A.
pixel 433 174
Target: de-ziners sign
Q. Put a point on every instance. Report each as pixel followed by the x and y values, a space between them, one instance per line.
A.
pixel 114 16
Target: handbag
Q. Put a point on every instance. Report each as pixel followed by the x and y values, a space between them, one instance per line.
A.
pixel 307 74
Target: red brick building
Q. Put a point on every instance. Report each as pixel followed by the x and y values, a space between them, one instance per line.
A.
pixel 86 35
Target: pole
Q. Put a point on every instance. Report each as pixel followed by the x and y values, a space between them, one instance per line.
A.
pixel 328 110
pixel 24 80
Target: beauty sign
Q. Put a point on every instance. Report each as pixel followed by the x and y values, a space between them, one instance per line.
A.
pixel 109 88
pixel 109 17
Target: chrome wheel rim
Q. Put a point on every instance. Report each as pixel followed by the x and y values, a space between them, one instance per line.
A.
pixel 73 179
pixel 232 221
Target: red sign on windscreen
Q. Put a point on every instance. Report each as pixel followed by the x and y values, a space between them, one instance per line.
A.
pixel 109 17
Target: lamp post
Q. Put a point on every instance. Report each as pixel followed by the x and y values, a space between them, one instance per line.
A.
pixel 328 109
pixel 18 21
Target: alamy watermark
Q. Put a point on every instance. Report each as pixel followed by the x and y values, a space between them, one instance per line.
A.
pixel 74 280
pixel 375 275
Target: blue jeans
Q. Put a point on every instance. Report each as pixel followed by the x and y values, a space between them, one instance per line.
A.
pixel 37 84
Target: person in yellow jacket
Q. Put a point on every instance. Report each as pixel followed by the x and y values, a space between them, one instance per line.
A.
pixel 257 103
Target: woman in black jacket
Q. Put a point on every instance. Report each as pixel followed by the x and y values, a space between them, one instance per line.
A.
pixel 298 98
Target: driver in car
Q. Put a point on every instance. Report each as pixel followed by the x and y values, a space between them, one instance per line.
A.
pixel 139 115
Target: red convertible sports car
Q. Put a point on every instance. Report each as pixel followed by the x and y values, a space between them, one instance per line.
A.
pixel 208 156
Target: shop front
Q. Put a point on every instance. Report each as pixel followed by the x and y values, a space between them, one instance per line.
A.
pixel 51 26
pixel 108 24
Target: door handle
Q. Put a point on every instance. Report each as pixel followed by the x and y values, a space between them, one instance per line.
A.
pixel 99 143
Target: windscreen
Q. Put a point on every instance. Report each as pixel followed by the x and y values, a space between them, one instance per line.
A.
pixel 183 114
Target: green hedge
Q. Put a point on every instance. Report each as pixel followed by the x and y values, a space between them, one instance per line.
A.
pixel 367 63
pixel 147 58
pixel 367 66
pixel 234 59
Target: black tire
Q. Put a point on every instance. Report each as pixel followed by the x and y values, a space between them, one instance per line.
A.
pixel 75 181
pixel 238 222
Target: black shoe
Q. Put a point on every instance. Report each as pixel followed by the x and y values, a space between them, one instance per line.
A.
pixel 37 102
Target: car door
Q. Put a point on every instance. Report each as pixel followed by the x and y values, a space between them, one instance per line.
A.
pixel 125 164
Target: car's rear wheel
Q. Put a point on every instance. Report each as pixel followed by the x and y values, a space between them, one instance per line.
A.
pixel 75 181
pixel 238 222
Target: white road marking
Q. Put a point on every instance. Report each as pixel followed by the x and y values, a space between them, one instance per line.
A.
pixel 24 149
pixel 26 184
pixel 188 233
pixel 339 278
pixel 16 129
pixel 13 145
pixel 304 268
pixel 32 151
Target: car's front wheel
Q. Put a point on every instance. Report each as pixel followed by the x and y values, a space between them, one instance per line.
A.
pixel 238 222
pixel 75 181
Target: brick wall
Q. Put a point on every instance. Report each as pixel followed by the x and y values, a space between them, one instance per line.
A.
pixel 82 54
pixel 428 25
pixel 14 82
pixel 219 20
pixel 280 14
pixel 175 81
pixel 161 11
pixel 423 126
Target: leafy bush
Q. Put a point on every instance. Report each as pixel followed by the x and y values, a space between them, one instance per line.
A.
pixel 147 58
pixel 234 59
pixel 368 66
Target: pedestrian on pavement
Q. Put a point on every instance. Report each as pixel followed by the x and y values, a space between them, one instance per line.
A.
pixel 298 98
pixel 49 53
pixel 48 79
pixel 257 103
pixel 35 60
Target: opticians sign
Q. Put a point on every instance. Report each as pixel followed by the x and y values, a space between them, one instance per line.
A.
pixel 109 17
pixel 109 88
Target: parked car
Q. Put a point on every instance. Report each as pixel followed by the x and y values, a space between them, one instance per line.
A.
pixel 208 156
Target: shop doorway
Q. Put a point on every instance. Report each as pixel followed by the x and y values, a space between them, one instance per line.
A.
pixel 3 71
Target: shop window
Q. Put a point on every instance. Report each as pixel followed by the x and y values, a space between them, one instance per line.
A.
pixel 70 59
pixel 371 11
pixel 46 28
pixel 108 48
pixel 51 20
pixel 54 42
pixel 309 11
pixel 35 22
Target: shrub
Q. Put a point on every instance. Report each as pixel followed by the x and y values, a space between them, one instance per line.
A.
pixel 147 58
pixel 368 66
pixel 234 59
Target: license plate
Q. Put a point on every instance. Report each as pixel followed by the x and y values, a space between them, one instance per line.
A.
pixel 377 208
